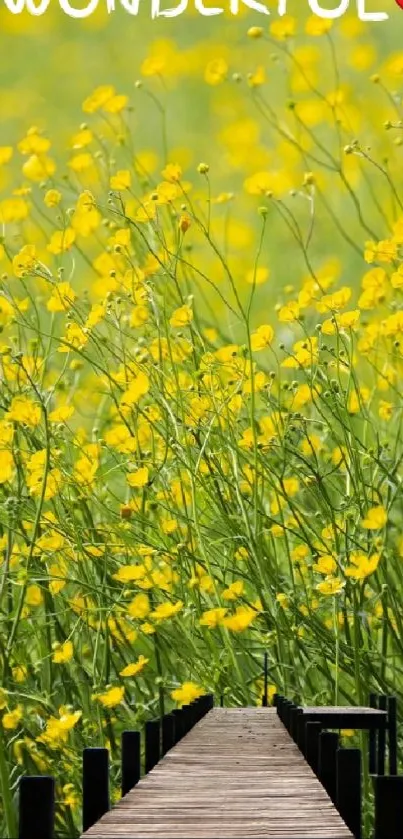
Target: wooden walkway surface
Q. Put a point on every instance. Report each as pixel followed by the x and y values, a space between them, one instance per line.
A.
pixel 236 774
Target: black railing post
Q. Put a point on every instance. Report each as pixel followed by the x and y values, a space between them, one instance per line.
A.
pixel 388 806
pixel 185 719
pixel 36 807
pixel 348 795
pixel 392 736
pixel 131 751
pixel 293 721
pixel 265 699
pixel 380 769
pixel 297 716
pixel 327 766
pixel 312 734
pixel 152 744
pixel 95 785
pixel 178 724
pixel 372 741
pixel 168 732
pixel 288 705
pixel 301 733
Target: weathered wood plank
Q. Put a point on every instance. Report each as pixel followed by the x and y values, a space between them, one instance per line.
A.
pixel 237 773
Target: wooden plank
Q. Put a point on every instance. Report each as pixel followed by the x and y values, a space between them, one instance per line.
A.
pixel 237 773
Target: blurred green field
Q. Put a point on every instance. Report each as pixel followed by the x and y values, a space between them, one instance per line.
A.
pixel 49 65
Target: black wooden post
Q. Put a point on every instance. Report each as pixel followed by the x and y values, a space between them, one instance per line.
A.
pixel 293 721
pixel 276 698
pixel 348 784
pixel 392 736
pixel 373 702
pixel 168 732
pixel 288 705
pixel 298 716
pixel 152 744
pixel 388 806
pixel 210 702
pixel 36 807
pixel 312 734
pixel 95 785
pixel 301 732
pixel 185 719
pixel 327 766
pixel 265 699
pixel 380 769
pixel 179 724
pixel 199 708
pixel 131 750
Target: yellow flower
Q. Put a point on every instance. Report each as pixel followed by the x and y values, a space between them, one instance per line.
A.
pixel 62 298
pixel 139 607
pixel 139 316
pixel 23 409
pixel 6 466
pixel 6 153
pixel 25 261
pixel 139 478
pixel 61 414
pixel 58 728
pixel 116 104
pixel 283 28
pixel 130 573
pixel 137 388
pixel 166 610
pixel 61 241
pixel 76 336
pixel 257 276
pixel 240 621
pixel 52 198
pixel 376 518
pixel 135 668
pixel 317 26
pixel 98 98
pixel 122 180
pixel 39 167
pixel 262 338
pixel 358 399
pixel 334 302
pixel 397 278
pixel 63 653
pixel 234 591
pixel 362 566
pixel 186 693
pixel 290 312
pixel 112 697
pixel 11 719
pixel 181 317
pixel 19 673
pixel 326 565
pixel 330 586
pixel 212 617
pixel 385 410
pixel 33 596
pixel 216 71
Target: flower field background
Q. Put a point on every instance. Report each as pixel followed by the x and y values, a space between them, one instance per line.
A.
pixel 201 373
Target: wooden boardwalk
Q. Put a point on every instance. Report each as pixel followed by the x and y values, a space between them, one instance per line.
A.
pixel 236 774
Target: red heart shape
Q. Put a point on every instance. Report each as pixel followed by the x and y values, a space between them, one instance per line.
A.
pixel 400 3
